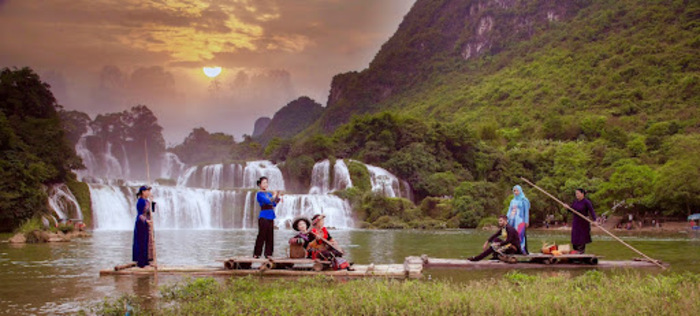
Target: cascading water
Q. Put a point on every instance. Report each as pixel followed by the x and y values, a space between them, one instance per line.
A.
pixel 215 196
pixel 341 176
pixel 338 211
pixel 320 178
pixel 172 167
pixel 114 168
pixel 256 169
pixel 88 157
pixel 63 202
pixel 176 207
pixel 387 184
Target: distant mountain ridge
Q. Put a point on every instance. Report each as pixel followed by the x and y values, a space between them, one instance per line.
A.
pixel 291 119
pixel 260 125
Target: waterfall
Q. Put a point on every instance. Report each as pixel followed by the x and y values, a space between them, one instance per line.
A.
pixel 320 178
pixel 214 196
pixel 176 207
pixel 211 176
pixel 88 157
pixel 114 169
pixel 256 169
pixel 341 176
pixel 247 210
pixel 232 176
pixel 184 180
pixel 113 207
pixel 63 202
pixel 387 184
pixel 127 167
pixel 338 211
pixel 172 167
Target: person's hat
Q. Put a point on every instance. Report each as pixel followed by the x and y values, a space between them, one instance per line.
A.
pixel 143 188
pixel 317 218
pixel 295 223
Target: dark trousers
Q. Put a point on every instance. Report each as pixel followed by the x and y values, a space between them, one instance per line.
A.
pixel 266 235
pixel 490 251
pixel 580 248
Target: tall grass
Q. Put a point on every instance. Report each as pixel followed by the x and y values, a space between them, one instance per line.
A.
pixel 30 225
pixel 593 293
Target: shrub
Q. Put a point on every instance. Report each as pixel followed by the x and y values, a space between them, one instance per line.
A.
pixel 488 221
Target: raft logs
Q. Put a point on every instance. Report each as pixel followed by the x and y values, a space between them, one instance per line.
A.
pixel 244 263
pixel 125 266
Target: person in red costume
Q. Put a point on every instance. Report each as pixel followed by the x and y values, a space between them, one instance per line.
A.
pixel 319 248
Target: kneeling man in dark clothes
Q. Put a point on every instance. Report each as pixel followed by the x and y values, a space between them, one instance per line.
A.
pixel 504 241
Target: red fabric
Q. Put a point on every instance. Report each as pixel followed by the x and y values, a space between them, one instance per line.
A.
pixel 324 234
pixel 323 231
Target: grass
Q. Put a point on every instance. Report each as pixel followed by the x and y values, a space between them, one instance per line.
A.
pixel 81 191
pixel 592 293
pixel 30 225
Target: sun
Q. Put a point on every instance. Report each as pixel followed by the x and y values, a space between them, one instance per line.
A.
pixel 212 72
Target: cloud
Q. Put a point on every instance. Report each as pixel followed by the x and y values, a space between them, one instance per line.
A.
pixel 105 56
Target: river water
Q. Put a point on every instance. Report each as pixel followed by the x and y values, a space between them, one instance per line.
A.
pixel 62 278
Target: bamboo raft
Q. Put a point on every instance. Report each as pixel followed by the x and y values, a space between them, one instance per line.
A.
pixel 522 262
pixel 279 267
pixel 412 267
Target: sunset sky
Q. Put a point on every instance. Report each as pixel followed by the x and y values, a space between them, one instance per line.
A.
pixel 105 55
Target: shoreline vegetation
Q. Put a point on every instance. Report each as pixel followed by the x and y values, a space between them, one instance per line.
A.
pixel 515 293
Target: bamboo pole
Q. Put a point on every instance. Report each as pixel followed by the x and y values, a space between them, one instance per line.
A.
pixel 327 243
pixel 654 261
pixel 152 226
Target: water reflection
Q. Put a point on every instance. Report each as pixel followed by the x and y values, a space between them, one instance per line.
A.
pixel 62 277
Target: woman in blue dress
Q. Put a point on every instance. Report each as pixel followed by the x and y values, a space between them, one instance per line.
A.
pixel 519 215
pixel 142 229
pixel 266 220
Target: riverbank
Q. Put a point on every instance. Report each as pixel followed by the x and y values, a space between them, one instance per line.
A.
pixel 515 293
pixel 668 228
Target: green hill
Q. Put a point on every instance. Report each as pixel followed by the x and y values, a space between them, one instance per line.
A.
pixel 469 95
pixel 291 119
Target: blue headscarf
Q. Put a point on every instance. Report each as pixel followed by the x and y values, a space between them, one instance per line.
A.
pixel 520 196
pixel 523 206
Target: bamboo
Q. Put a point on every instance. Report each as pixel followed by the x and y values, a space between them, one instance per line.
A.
pixel 327 243
pixel 656 262
pixel 152 226
pixel 125 266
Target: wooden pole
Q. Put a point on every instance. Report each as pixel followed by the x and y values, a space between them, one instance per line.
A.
pixel 148 169
pixel 656 262
pixel 327 242
pixel 152 226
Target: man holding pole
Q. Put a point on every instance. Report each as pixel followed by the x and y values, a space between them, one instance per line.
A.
pixel 656 262
pixel 580 228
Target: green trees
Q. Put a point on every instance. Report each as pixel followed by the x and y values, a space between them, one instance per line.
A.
pixel 677 187
pixel 33 148
pixel 201 146
pixel 632 183
pixel 476 200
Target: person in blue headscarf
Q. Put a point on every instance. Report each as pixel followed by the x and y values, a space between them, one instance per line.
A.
pixel 142 234
pixel 519 215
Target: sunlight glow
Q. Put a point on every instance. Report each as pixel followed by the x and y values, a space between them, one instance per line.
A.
pixel 212 72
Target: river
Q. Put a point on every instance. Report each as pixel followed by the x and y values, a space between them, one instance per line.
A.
pixel 62 278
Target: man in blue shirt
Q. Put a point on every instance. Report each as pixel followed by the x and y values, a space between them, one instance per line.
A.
pixel 266 220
